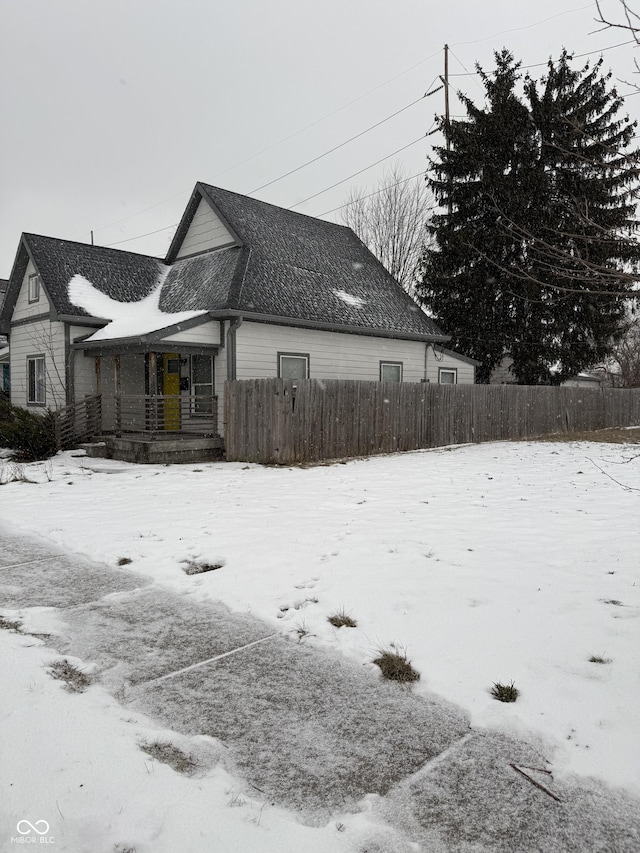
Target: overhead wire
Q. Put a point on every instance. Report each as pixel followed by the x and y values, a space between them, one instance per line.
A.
pixel 366 168
pixel 367 130
pixel 346 142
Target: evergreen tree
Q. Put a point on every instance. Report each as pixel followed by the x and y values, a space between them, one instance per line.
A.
pixel 534 244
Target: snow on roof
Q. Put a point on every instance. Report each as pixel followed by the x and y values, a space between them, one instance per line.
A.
pixel 126 319
pixel 349 298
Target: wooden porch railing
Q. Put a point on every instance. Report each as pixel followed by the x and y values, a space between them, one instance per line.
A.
pixel 165 414
pixel 78 422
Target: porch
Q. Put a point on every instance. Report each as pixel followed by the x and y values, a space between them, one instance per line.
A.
pixel 158 402
pixel 160 429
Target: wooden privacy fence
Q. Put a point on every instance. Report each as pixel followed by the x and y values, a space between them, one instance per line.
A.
pixel 286 421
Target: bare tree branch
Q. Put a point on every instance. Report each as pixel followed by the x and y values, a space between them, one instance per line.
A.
pixel 391 222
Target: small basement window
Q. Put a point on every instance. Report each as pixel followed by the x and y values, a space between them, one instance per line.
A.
pixel 36 380
pixel 448 376
pixel 293 365
pixel 390 371
pixel 34 288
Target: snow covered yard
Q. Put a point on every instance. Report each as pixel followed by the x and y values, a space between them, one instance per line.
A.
pixel 498 562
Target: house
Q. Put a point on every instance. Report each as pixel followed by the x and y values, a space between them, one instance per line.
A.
pixel 503 375
pixel 247 290
pixel 4 346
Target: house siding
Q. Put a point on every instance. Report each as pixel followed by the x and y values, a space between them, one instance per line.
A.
pixel 207 334
pixel 435 361
pixel 205 232
pixel 24 309
pixel 84 373
pixel 332 355
pixel 39 337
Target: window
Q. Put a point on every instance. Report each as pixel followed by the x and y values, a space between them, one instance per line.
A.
pixel 293 365
pixel 34 288
pixel 390 371
pixel 202 384
pixel 36 380
pixel 448 376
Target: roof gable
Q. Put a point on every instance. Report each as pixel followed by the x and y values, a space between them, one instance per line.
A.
pixel 123 276
pixel 202 228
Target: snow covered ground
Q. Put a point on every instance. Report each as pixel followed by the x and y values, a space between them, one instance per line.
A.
pixel 497 562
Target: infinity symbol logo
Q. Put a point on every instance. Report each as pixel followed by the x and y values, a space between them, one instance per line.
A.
pixel 40 826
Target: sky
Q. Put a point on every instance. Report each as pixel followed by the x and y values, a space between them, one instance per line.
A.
pixel 111 111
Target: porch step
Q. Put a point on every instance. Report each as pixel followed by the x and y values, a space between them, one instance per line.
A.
pixel 94 449
pixel 162 451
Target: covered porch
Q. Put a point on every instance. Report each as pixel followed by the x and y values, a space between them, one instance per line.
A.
pixel 158 403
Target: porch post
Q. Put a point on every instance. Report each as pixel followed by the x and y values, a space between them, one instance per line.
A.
pixel 153 391
pixel 117 374
pixel 153 374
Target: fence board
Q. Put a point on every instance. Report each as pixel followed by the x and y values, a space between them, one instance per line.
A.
pixel 285 421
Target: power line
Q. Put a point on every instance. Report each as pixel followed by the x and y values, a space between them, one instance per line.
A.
pixel 139 236
pixel 540 64
pixel 337 110
pixel 370 195
pixel 528 27
pixel 366 168
pixel 346 142
pixel 284 138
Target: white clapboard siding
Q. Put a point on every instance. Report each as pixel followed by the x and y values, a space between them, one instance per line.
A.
pixel 205 232
pixel 38 338
pixel 332 355
pixel 465 371
pixel 25 309
pixel 206 334
pixel 84 372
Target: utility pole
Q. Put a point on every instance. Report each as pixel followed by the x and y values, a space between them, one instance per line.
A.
pixel 445 82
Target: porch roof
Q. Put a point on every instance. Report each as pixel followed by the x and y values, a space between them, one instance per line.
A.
pixel 153 341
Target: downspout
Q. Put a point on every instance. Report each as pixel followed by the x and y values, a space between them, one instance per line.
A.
pixel 69 361
pixel 231 347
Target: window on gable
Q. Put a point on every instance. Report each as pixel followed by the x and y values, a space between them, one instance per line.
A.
pixel 36 380
pixel 293 365
pixel 448 376
pixel 34 288
pixel 390 371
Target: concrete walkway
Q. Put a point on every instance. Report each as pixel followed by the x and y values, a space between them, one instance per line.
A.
pixel 307 729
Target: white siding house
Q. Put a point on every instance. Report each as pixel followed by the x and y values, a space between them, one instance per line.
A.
pixel 247 290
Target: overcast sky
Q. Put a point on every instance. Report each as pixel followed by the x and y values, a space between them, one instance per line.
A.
pixel 113 109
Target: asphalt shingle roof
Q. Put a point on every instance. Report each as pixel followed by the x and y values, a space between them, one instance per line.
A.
pixel 124 276
pixel 287 265
pixel 203 282
pixel 306 268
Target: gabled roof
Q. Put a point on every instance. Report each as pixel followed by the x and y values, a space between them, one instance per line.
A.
pixel 302 268
pixel 285 267
pixel 125 276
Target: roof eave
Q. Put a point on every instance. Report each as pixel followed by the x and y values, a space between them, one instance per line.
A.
pixel 324 326
pixel 149 337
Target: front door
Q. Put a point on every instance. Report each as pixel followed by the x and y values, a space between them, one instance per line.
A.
pixel 171 390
